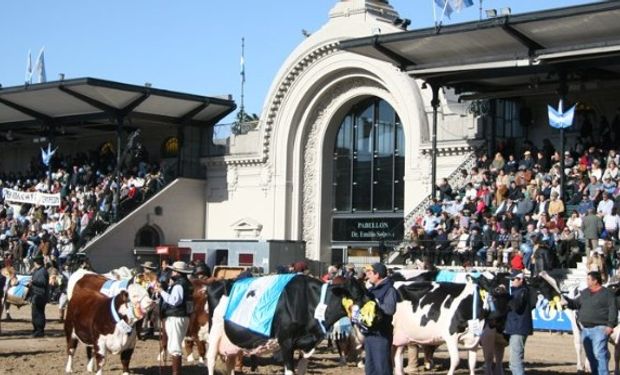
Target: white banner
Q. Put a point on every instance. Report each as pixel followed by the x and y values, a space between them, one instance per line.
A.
pixel 32 197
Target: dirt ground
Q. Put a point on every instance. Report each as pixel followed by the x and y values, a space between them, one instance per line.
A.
pixel 546 353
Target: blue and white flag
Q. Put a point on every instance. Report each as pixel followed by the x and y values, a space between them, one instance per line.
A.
pixel 29 68
pixel 242 63
pixel 46 156
pixel 40 67
pixel 450 6
pixel 560 119
pixel 252 302
pixel 458 5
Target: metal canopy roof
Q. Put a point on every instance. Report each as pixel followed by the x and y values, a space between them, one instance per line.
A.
pixel 509 55
pixel 84 101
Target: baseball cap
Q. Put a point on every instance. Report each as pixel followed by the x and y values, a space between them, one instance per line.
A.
pixel 379 268
pixel 517 275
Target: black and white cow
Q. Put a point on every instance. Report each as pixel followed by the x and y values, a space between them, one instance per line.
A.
pixel 294 324
pixel 433 313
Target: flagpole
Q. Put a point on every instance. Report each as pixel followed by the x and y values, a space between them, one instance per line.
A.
pixel 434 12
pixel 242 108
pixel 562 91
pixel 443 12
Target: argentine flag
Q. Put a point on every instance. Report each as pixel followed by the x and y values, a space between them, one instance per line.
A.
pixel 560 119
pixel 450 6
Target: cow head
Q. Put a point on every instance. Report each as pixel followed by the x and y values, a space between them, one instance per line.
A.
pixel 547 287
pixel 494 294
pixel 351 292
pixel 138 303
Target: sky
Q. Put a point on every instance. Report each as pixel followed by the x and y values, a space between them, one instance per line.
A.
pixel 192 46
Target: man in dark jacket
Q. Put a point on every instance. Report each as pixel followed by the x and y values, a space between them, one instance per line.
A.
pixel 592 227
pixel 518 321
pixel 378 341
pixel 597 316
pixel 38 292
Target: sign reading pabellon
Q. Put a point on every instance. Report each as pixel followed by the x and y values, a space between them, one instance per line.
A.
pixel 367 229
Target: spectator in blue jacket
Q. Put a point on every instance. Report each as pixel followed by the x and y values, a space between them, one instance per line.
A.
pixel 518 321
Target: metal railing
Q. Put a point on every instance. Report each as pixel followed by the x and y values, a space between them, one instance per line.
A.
pixel 453 179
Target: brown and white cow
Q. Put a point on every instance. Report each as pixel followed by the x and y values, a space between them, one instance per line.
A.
pixel 105 324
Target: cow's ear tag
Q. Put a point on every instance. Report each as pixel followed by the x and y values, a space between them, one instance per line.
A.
pixel 475 327
pixel 319 313
pixel 124 327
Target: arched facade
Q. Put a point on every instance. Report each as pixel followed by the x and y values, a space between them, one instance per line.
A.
pixel 285 182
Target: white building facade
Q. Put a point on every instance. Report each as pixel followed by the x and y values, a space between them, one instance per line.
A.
pixel 329 111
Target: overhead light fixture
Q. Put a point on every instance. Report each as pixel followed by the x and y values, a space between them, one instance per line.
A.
pixel 505 11
pixel 491 13
pixel 403 23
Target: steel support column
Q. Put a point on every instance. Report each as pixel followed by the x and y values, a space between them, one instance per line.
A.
pixel 435 105
pixel 119 159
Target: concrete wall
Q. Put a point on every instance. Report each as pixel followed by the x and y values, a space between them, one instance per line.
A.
pixel 182 217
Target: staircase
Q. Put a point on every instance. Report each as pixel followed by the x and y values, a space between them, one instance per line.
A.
pixel 454 179
pixel 172 213
pixel 575 276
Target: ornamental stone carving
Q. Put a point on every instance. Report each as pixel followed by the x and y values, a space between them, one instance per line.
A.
pixel 315 128
pixel 266 175
pixel 232 179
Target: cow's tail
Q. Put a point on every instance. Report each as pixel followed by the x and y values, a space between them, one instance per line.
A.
pixel 73 279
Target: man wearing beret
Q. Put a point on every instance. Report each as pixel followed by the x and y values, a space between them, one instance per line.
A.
pixel 378 341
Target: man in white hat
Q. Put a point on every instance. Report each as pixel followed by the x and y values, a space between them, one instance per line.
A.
pixel 176 308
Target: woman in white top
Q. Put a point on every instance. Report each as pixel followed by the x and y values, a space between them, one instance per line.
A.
pixel 596 170
pixel 612 170
pixel 612 223
pixel 574 224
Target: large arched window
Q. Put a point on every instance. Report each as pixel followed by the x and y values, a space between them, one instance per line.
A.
pixel 369 161
pixel 147 236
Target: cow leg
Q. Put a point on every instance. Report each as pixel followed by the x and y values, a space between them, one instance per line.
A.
pixel 215 337
pixel 398 359
pixel 472 356
pixel 342 360
pixel 616 359
pixel 71 345
pixel 230 364
pixel 302 365
pixel 202 350
pixel 288 356
pixel 90 366
pixel 412 357
pixel 429 352
pixel 453 351
pixel 125 358
pixel 163 344
pixel 499 357
pixel 100 353
pixel 487 341
pixel 188 346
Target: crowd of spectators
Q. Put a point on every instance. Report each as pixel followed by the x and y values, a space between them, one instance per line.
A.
pixel 87 185
pixel 509 211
